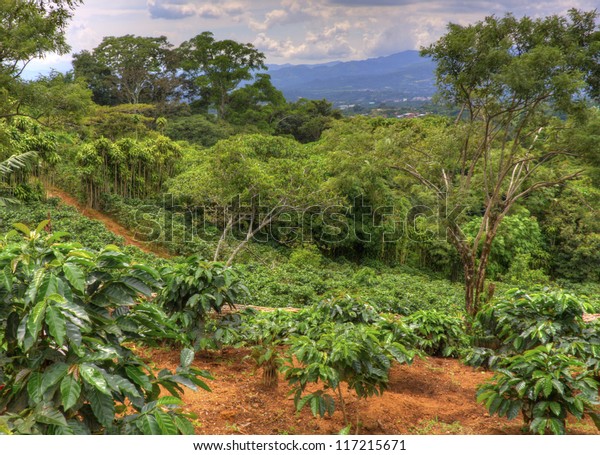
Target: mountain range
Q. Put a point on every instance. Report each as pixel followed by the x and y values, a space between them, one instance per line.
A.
pixel 398 78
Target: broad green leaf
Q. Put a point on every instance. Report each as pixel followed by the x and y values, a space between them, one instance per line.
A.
pixel 53 375
pixel 555 408
pixel 48 286
pixel 94 377
pixel 169 401
pixel 50 416
pixel 121 384
pixel 165 423
pixel 73 333
pixel 139 377
pixel 40 227
pixel 513 410
pixel 186 357
pixel 35 319
pixel 147 425
pixel 75 276
pixel 23 228
pixel 137 285
pixel 70 389
pixel 56 325
pixel 34 387
pixel 557 426
pixel 116 293
pixel 184 425
pixel 103 406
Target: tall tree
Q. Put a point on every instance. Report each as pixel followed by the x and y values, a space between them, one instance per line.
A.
pixel 140 69
pixel 505 75
pixel 218 67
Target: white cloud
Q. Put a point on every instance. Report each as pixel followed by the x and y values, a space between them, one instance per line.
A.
pixel 180 9
pixel 328 43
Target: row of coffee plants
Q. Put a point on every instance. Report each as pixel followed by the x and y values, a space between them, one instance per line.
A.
pixel 545 357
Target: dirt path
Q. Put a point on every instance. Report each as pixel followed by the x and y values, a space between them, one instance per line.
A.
pixel 109 223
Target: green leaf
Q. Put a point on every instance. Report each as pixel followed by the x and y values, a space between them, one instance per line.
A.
pixel 555 408
pixel 73 333
pixel 557 426
pixel 56 325
pixel 186 357
pixel 147 425
pixel 34 387
pixel 137 285
pixel 346 430
pixel 116 293
pixel 75 276
pixel 53 375
pixel 165 423
pixel 139 377
pixel 50 416
pixel 184 425
pixel 94 377
pixel 169 401
pixel 103 406
pixel 23 228
pixel 34 322
pixel 70 389
pixel 513 410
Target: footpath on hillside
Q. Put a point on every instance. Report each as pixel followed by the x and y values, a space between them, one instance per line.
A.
pixel 110 224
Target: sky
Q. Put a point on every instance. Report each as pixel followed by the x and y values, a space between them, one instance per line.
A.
pixel 291 31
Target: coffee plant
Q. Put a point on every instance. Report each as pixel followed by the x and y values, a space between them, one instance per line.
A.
pixel 545 385
pixel 195 287
pixel 357 355
pixel 64 367
pixel 437 333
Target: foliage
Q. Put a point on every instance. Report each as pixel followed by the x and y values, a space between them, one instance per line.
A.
pixel 218 67
pixel 127 167
pixel 31 29
pixel 138 69
pixel 193 288
pixel 505 74
pixel 544 384
pixel 358 355
pixel 63 364
pixel 522 321
pixel 437 333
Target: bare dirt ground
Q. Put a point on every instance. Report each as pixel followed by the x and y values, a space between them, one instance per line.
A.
pixel 431 396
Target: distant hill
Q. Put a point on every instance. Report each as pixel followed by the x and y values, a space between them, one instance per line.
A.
pixel 400 77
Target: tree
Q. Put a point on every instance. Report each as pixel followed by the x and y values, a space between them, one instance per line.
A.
pixel 218 67
pixel 248 182
pixel 28 30
pixel 507 76
pixel 139 68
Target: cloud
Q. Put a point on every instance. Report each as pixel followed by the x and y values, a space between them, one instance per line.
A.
pixel 328 43
pixel 288 12
pixel 181 9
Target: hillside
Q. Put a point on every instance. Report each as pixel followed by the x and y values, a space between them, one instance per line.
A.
pixel 401 77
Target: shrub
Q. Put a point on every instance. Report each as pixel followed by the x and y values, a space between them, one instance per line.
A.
pixel 437 333
pixel 545 385
pixel 358 355
pixel 63 366
pixel 194 287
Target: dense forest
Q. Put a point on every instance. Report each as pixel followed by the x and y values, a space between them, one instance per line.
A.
pixel 473 235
